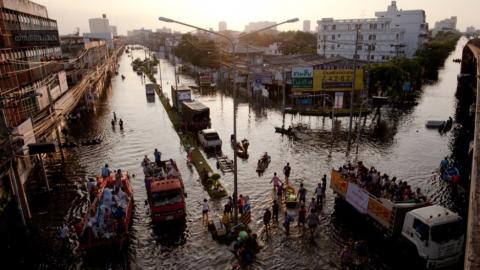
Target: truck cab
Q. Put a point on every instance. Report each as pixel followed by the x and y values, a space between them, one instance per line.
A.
pixel 437 233
pixel 167 200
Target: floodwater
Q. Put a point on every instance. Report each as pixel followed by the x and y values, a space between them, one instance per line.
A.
pixel 395 142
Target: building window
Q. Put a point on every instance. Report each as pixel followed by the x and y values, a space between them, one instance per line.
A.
pixel 333 47
pixel 325 27
pixel 338 35
pixel 359 47
pixel 333 37
pixel 338 45
pixel 372 57
pixel 334 27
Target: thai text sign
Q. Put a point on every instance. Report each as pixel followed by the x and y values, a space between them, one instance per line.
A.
pixel 357 197
pixel 338 184
pixel 302 77
pixel 379 212
pixel 337 80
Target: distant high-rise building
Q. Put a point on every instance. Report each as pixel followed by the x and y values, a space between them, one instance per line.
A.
pixel 113 30
pixel 470 30
pixel 306 26
pixel 253 26
pixel 445 25
pixel 222 26
pixel 100 29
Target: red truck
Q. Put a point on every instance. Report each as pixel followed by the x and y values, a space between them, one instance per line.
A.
pixel 165 190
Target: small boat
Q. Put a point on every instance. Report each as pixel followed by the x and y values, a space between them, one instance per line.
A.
pixel 434 124
pixel 240 147
pixel 123 77
pixel 263 162
pixel 224 164
pixel 446 126
pixel 287 131
pixel 106 223
pixel 291 199
pixel 90 142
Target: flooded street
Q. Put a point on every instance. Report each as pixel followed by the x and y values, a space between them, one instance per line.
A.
pixel 395 142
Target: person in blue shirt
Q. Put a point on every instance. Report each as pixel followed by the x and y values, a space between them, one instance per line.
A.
pixel 158 156
pixel 105 171
pixel 444 164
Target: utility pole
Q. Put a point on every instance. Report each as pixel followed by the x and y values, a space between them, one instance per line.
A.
pixel 283 96
pixel 369 47
pixel 352 95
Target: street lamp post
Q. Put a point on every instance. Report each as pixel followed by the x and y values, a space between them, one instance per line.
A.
pixel 233 45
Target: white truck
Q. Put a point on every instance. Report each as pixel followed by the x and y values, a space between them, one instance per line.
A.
pixel 435 233
pixel 209 139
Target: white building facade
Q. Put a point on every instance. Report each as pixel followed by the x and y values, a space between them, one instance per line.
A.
pixel 445 25
pixel 254 26
pixel 306 26
pixel 100 29
pixel 222 26
pixel 393 33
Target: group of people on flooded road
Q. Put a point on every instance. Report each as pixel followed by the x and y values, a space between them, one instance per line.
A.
pixel 381 185
pixel 306 211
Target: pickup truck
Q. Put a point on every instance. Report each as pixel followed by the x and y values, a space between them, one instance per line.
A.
pixel 435 233
pixel 209 139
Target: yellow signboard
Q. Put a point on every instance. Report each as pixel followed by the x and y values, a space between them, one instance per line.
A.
pixel 378 211
pixel 337 80
pixel 334 80
pixel 338 184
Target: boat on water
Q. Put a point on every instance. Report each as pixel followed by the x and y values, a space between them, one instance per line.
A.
pixel 291 199
pixel 106 222
pixel 240 147
pixel 286 131
pixel 150 89
pixel 263 163
pixel 165 191
pixel 224 164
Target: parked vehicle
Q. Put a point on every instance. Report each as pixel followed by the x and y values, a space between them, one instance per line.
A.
pixel 435 233
pixel 150 89
pixel 165 191
pixel 195 116
pixel 106 222
pixel 209 139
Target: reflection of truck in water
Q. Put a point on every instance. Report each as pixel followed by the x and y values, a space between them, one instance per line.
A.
pixel 195 116
pixel 165 191
pixel 434 232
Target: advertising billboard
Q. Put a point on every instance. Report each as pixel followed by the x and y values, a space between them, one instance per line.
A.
pixel 302 77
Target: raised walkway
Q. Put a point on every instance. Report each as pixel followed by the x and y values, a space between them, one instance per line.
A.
pixel 472 250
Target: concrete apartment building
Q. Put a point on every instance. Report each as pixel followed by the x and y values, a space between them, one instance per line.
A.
pixel 254 26
pixel 445 25
pixel 222 26
pixel 306 26
pixel 392 33
pixel 100 28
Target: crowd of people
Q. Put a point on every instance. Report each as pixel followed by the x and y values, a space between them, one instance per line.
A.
pixel 166 169
pixel 105 216
pixel 381 185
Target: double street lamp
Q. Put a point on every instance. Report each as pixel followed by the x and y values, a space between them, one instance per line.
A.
pixel 233 43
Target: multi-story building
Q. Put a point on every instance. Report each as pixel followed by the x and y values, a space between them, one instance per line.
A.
pixel 222 26
pixel 306 26
pixel 164 30
pixel 253 26
pixel 113 30
pixel 29 43
pixel 100 29
pixel 445 25
pixel 393 33
pixel 412 22
pixel 83 55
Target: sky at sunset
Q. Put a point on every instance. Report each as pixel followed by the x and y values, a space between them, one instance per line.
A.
pixel 134 14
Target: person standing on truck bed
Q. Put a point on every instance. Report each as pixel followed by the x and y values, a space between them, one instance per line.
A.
pixel 105 171
pixel 157 154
